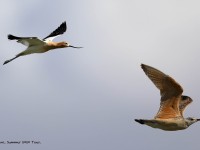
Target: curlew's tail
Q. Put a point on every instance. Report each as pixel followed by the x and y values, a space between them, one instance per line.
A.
pixel 141 121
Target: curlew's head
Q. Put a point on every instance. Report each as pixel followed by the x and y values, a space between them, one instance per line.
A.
pixel 189 121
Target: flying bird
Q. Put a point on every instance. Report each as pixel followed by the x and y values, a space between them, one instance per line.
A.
pixel 172 105
pixel 36 45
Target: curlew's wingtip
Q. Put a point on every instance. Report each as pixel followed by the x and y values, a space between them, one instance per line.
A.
pixel 143 65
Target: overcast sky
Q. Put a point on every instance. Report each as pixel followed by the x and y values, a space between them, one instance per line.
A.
pixel 87 99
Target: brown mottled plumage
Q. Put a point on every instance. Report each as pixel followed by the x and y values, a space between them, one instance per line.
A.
pixel 173 103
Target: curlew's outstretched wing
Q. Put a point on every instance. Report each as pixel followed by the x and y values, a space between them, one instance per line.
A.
pixel 170 92
pixel 60 30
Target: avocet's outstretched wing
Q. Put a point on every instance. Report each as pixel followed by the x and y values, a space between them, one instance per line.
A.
pixel 27 41
pixel 60 30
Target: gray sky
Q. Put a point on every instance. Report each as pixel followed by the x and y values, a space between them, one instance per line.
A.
pixel 87 99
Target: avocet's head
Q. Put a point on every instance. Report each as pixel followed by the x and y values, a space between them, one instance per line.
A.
pixel 68 45
pixel 189 121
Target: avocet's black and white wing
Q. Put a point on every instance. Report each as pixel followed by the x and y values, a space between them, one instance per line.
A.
pixel 60 30
pixel 27 41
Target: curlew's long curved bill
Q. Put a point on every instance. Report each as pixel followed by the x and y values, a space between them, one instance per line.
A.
pixel 198 119
pixel 74 46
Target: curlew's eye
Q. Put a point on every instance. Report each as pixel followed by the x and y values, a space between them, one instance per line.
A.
pixel 191 119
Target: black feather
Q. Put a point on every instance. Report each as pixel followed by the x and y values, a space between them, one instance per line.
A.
pixel 60 30
pixel 12 37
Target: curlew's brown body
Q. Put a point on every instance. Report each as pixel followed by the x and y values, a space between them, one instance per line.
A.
pixel 173 103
